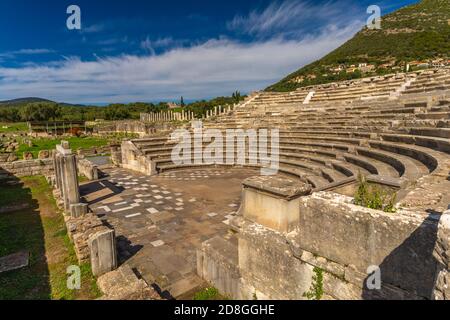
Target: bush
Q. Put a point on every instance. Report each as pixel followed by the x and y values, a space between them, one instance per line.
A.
pixel 373 197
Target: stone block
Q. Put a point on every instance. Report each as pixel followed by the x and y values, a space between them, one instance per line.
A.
pixel 273 201
pixel 78 210
pixel 44 154
pixel 217 263
pixel 400 244
pixel 267 264
pixel 103 253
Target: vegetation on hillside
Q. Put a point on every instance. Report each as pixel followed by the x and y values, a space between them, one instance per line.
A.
pixel 22 110
pixel 417 33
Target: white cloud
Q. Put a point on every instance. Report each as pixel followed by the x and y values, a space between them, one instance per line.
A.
pixel 95 28
pixel 161 43
pixel 291 18
pixel 12 54
pixel 213 68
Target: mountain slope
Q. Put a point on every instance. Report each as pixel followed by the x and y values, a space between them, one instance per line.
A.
pixel 419 32
pixel 21 101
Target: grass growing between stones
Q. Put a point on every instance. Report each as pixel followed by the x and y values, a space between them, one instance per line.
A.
pixel 209 294
pixel 316 290
pixel 41 230
pixel 373 197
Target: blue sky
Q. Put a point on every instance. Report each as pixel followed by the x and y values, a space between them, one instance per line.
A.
pixel 139 50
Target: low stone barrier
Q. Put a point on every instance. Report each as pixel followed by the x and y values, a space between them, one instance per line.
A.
pixel 29 167
pixel 289 243
pixel 134 159
pixel 88 169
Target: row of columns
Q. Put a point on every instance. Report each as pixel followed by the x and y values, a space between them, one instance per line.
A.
pixel 101 242
pixel 168 116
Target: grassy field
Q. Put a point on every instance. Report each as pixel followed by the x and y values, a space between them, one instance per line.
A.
pixel 13 127
pixel 41 230
pixel 50 144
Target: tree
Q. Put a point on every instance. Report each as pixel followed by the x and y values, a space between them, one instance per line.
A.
pixel 182 102
pixel 40 111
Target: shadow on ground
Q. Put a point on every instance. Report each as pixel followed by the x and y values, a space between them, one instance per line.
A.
pixel 21 229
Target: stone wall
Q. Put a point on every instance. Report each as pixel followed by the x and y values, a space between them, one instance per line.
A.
pixel 356 238
pixel 134 159
pixel 88 169
pixel 116 155
pixel 137 127
pixel 442 255
pixel 29 167
pixel 347 246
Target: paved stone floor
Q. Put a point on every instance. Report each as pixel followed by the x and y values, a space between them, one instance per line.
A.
pixel 160 221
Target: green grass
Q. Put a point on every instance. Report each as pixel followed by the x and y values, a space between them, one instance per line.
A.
pixel 13 127
pixel 209 294
pixel 41 231
pixel 50 144
pixel 316 290
pixel 374 197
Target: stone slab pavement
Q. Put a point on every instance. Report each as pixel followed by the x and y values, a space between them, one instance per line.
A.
pixel 160 221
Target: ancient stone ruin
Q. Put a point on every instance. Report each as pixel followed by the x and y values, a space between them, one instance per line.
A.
pixel 156 228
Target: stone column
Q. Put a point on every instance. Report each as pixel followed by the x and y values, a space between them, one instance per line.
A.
pixel 66 175
pixel 70 181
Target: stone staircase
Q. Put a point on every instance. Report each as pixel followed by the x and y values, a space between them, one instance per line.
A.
pixel 328 144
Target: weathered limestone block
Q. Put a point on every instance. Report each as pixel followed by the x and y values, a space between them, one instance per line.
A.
pixel 400 244
pixel 88 169
pixel 123 284
pixel 133 159
pixel 273 201
pixel 27 156
pixel 78 210
pixel 217 263
pixel 44 154
pixel 116 155
pixel 28 167
pixel 103 252
pixel 267 264
pixel 80 229
pixel 442 255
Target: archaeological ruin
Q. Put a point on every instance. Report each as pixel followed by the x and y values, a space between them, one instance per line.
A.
pixel 156 229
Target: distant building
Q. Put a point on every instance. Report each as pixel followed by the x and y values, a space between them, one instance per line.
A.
pixel 173 105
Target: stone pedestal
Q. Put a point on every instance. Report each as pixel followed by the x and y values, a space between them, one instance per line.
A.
pixel 273 201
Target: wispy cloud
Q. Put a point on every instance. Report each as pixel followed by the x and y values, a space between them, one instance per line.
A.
pixel 94 28
pixel 212 68
pixel 13 54
pixel 292 18
pixel 151 46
